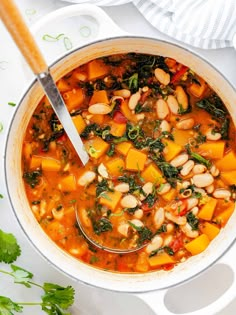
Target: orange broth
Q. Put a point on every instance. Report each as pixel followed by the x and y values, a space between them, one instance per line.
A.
pixel 162 168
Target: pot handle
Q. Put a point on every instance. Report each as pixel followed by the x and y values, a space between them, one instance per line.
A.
pixel 156 300
pixel 106 26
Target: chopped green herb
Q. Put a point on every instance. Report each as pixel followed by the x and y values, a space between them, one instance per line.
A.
pixel 217 110
pixel 167 249
pixel 11 104
pixel 102 225
pixel 102 187
pixel 1 196
pixel 133 82
pixel 111 150
pixel 93 259
pixel 67 43
pixel 192 221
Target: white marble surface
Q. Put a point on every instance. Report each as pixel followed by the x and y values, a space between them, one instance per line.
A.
pixel 13 82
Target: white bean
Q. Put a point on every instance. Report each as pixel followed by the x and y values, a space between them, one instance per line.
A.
pixel 210 189
pixel 137 222
pixel 162 109
pixel 179 160
pixel 123 93
pixel 159 217
pixel 173 104
pixel 155 244
pixel 134 99
pixel 164 126
pixel 123 229
pixel 123 187
pixel 214 171
pixel 148 188
pixel 102 170
pixel 195 210
pixel 187 230
pixel 99 108
pixel 199 168
pixel 58 214
pixel 170 227
pixel 129 201
pixel 138 214
pixel 86 178
pixel 182 97
pixel 221 193
pixel 162 76
pixel 167 240
pixel 185 124
pixel 180 220
pixel 85 220
pixel 191 203
pixel 203 180
pixel 187 167
pixel 163 189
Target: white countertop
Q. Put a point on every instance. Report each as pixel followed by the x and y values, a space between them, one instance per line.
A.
pixel 13 82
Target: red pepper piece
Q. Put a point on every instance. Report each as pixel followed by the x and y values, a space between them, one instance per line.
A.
pixel 119 118
pixel 177 244
pixel 176 77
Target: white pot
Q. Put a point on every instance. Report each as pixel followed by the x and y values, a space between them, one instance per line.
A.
pixel 156 281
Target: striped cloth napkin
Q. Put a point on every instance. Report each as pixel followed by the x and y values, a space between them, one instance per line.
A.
pixel 207 24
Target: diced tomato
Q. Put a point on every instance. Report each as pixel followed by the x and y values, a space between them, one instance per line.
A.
pixel 177 244
pixel 145 95
pixel 119 118
pixel 168 267
pixel 176 77
pixel 183 208
pixel 145 206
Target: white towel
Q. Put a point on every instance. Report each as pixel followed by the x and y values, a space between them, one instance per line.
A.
pixel 207 24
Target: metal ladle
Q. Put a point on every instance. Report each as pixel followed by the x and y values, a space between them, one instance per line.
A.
pixel 19 31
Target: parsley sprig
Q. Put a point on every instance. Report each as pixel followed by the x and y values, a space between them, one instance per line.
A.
pixel 55 299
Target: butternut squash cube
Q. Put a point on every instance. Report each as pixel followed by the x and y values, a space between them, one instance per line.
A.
pixel 110 199
pixel 96 69
pixel 99 97
pixel 135 160
pixel 63 85
pixel 198 245
pixel 97 119
pixel 35 162
pixel 211 230
pixel 115 166
pixel 207 210
pixel 212 150
pixel 152 174
pixel 160 259
pixel 196 89
pixel 73 98
pixel 50 164
pixel 229 177
pixel 170 195
pixel 224 216
pixel 227 163
pixel 96 147
pixel 123 147
pixel 79 123
pixel 117 130
pixel 67 183
pixel 171 150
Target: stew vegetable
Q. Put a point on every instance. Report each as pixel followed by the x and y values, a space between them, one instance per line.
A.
pixel 162 168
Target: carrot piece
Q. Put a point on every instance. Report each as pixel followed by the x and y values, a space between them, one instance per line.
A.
pixel 35 162
pixel 212 150
pixel 63 85
pixel 207 210
pixel 160 259
pixel 79 123
pixel 96 147
pixel 229 177
pixel 135 160
pixel 50 164
pixel 110 199
pixel 123 147
pixel 73 98
pixel 99 97
pixel 171 150
pixel 227 163
pixel 96 69
pixel 152 174
pixel 68 183
pixel 198 245
pixel 115 166
pixel 117 130
pixel 211 230
pixel 196 89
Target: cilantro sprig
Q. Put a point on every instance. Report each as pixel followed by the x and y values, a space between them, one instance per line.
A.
pixel 9 248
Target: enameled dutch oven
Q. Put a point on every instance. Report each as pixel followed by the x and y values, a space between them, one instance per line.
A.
pixel 157 282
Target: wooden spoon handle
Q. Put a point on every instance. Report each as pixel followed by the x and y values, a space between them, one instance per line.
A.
pixel 18 29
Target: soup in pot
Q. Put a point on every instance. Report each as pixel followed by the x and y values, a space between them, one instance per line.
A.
pixel 162 167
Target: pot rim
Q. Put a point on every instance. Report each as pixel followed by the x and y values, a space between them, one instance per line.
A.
pixel 21 99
